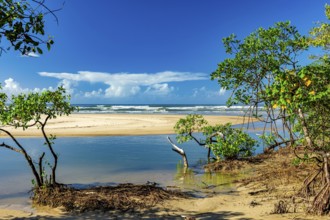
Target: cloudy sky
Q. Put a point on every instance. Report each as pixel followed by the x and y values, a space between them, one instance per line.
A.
pixel 145 51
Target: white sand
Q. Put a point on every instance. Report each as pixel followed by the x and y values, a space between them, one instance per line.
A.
pixel 115 124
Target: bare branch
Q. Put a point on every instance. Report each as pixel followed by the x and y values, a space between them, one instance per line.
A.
pixel 48 10
pixel 179 151
pixel 11 148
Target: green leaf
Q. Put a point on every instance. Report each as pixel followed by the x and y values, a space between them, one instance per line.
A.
pixel 39 50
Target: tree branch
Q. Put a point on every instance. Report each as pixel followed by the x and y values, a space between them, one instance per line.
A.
pixel 26 155
pixel 11 148
pixel 179 151
pixel 50 148
pixel 197 141
pixel 41 168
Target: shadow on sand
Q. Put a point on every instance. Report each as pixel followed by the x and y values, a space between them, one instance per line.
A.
pixel 148 214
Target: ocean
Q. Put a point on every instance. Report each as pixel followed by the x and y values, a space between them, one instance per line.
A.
pixel 162 109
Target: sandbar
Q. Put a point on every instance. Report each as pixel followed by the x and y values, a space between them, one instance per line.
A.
pixel 114 125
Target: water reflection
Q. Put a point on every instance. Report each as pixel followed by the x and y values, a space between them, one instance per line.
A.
pixel 204 181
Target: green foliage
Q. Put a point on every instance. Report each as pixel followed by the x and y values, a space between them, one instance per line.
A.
pixel 268 139
pixel 25 110
pixel 320 35
pixel 3 98
pixel 185 127
pixel 315 104
pixel 232 143
pixel 257 60
pixel 224 141
pixel 22 25
pixel 33 182
pixel 34 110
pixel 264 70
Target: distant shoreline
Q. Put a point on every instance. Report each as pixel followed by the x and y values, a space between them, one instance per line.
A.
pixel 77 125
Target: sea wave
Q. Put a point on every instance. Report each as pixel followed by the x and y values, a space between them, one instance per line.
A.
pixel 163 109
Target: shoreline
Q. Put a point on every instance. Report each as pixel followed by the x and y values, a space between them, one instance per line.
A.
pixel 77 125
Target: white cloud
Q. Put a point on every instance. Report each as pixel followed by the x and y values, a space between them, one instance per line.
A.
pixel 129 84
pixel 121 90
pixel 208 93
pixel 31 54
pixel 159 89
pixel 67 85
pixel 12 87
pixel 222 91
pixel 94 93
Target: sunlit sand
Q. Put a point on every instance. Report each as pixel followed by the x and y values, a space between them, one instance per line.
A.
pixel 116 124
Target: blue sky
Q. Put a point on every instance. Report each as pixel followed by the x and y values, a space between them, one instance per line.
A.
pixel 145 51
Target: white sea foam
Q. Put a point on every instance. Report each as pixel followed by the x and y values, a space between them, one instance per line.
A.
pixel 163 109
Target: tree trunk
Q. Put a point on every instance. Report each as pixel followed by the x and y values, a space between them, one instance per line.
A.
pixel 305 129
pixel 53 175
pixel 179 151
pixel 272 147
pixel 326 168
pixel 41 168
pixel 26 156
pixel 321 202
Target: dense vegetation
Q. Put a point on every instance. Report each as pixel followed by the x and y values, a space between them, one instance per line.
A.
pixel 264 71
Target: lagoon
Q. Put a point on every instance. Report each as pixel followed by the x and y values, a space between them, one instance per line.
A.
pixel 107 160
pixel 97 161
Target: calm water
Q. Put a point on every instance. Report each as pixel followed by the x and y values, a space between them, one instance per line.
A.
pixel 105 160
pixel 115 159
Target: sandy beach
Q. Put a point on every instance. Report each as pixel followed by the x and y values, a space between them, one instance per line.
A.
pixel 115 124
pixel 236 205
